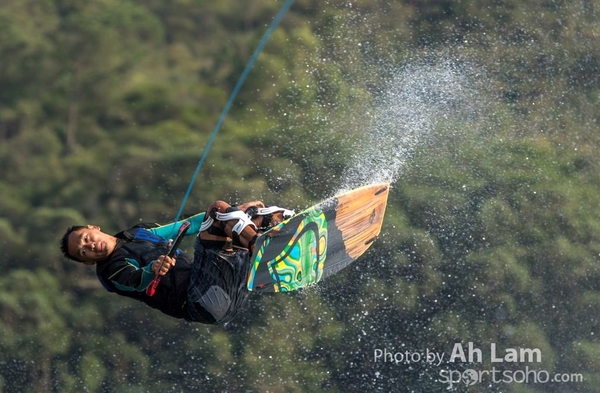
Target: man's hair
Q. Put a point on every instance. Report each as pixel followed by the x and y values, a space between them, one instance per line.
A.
pixel 64 242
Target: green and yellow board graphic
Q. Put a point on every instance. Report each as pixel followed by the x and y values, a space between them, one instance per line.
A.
pixel 319 241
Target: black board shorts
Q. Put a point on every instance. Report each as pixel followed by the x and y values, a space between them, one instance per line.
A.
pixel 217 288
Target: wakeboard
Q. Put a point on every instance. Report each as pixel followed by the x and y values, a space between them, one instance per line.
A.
pixel 319 241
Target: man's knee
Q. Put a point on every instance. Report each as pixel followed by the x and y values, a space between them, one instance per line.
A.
pixel 216 301
pixel 217 207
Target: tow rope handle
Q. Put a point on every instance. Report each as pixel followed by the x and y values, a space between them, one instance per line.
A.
pixel 151 290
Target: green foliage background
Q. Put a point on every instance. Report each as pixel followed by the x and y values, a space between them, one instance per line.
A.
pixel 492 229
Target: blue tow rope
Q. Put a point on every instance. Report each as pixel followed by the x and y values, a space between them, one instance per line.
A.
pixel 261 45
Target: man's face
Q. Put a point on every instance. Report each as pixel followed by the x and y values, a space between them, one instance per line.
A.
pixel 90 245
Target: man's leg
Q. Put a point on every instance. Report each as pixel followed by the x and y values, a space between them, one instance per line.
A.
pixel 217 288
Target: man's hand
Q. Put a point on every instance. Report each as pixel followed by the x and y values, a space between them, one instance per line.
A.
pixel 162 265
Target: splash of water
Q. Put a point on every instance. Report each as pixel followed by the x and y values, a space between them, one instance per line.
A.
pixel 417 102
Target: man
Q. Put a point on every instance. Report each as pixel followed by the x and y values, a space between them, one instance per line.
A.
pixel 210 289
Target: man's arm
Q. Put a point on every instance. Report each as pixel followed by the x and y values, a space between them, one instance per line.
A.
pixel 127 275
pixel 169 231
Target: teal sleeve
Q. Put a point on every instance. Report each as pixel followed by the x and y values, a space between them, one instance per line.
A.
pixel 169 231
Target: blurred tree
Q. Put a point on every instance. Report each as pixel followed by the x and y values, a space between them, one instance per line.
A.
pixel 34 325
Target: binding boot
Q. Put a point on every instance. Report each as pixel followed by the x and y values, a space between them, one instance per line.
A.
pixel 225 224
pixel 268 217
